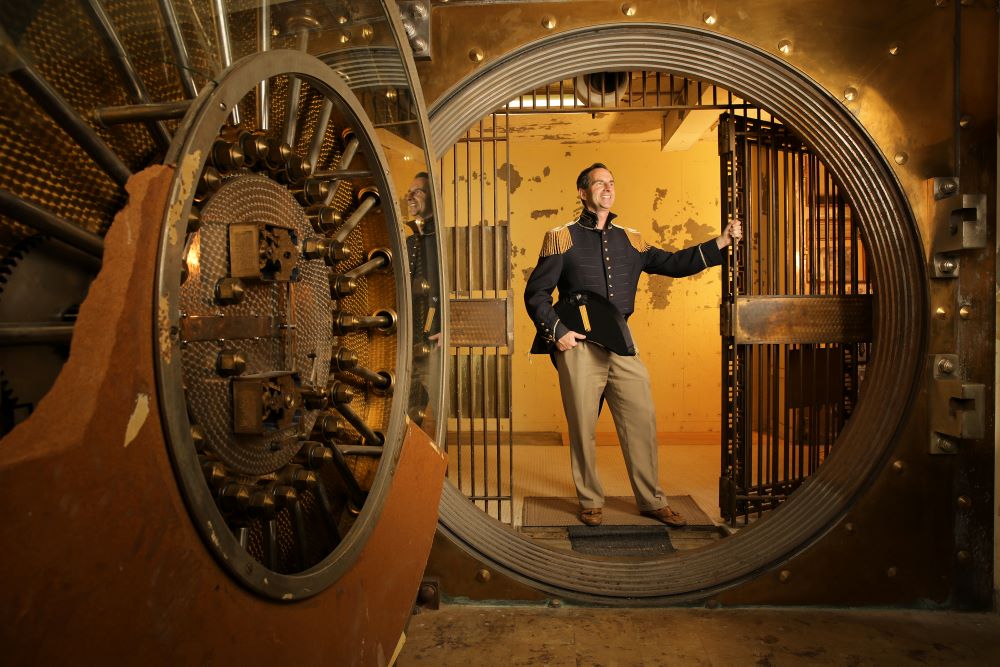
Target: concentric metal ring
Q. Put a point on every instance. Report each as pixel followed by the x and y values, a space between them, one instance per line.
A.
pixel 894 250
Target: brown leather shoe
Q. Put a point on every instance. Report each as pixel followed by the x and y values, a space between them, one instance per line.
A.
pixel 591 516
pixel 667 516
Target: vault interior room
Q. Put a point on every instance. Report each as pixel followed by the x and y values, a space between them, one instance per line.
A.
pixel 264 355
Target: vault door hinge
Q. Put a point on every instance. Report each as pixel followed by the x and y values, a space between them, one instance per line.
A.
pixel 958 408
pixel 959 223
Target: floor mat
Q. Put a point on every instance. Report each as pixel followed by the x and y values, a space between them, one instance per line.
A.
pixel 620 540
pixel 618 511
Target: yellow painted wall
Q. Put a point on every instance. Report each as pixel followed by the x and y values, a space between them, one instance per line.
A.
pixel 673 199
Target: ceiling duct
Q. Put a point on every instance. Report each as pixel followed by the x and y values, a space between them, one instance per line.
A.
pixel 601 89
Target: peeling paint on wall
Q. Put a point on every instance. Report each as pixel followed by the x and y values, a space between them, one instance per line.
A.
pixel 546 171
pixel 544 213
pixel 658 197
pixel 699 232
pixel 658 288
pixel 526 273
pixel 507 169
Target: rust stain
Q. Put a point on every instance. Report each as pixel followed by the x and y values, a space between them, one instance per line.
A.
pixel 546 171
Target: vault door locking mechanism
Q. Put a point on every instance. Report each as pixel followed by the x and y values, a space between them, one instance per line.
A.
pixel 957 406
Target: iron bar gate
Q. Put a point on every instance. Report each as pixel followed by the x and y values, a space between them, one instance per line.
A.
pixel 476 198
pixel 796 315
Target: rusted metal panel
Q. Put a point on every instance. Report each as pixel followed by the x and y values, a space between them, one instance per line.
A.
pixel 802 319
pixel 480 323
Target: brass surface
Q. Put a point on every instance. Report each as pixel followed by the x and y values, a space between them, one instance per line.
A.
pixel 801 319
pixel 892 66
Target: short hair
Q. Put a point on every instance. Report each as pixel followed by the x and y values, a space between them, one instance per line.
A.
pixel 422 174
pixel 583 180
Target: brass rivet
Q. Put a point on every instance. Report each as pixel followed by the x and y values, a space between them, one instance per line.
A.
pixel 555 603
pixel 898 466
pixel 391 94
pixel 964 502
pixel 548 22
pixel 483 575
pixel 963 556
pixel 948 266
pixel 849 527
pixel 342 19
pixel 901 157
pixel 476 55
pixel 894 49
pixel 940 312
pixel 965 120
pixel 367 33
pixel 709 18
pixel 344 37
pixel 222 106
pixel 965 311
pixel 940 3
pixel 891 572
pixel 784 576
pixel 850 93
pixel 946 366
pixel 785 46
pixel 628 9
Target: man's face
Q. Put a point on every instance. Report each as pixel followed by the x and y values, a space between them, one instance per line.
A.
pixel 600 194
pixel 418 198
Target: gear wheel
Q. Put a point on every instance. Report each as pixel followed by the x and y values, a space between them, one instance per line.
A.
pixel 41 280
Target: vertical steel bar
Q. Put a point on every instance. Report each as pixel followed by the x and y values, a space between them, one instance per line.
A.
pixel 264 42
pixel 126 69
pixel 319 134
pixel 294 92
pixel 225 46
pixel 497 388
pixel 179 48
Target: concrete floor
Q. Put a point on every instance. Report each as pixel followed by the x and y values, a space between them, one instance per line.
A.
pixel 501 636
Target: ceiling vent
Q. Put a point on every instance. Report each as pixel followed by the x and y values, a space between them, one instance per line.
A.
pixel 601 89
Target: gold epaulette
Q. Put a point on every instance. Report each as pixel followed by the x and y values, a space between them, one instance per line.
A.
pixel 557 241
pixel 635 238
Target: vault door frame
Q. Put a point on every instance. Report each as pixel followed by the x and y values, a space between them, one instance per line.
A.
pixel 896 261
pixel 796 315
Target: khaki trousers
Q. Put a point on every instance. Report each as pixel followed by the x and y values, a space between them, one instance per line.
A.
pixel 585 372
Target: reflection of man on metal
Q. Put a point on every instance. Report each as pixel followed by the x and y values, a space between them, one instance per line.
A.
pixel 422 250
pixel 594 254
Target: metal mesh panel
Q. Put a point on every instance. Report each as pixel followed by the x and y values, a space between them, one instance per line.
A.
pixel 254 199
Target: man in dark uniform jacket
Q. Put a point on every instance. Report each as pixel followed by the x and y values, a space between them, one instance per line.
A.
pixel 421 249
pixel 595 254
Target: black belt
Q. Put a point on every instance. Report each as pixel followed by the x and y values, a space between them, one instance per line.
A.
pixel 598 319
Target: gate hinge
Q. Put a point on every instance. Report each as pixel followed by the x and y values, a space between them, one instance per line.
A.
pixel 958 221
pixel 958 408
